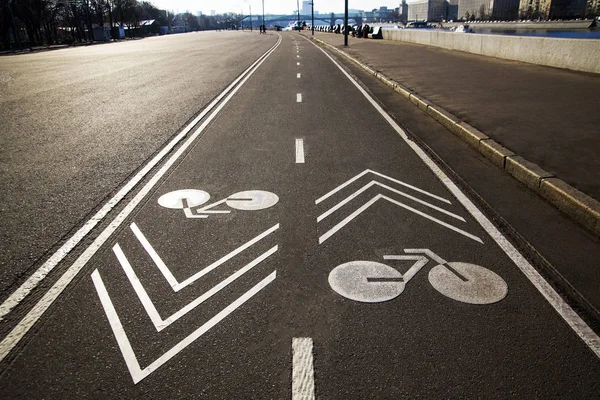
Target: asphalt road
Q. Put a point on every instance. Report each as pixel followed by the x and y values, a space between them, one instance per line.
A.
pixel 244 286
pixel 77 122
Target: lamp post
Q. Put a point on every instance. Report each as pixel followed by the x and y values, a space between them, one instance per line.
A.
pixel 263 19
pixel 312 12
pixel 298 5
pixel 346 23
pixel 250 17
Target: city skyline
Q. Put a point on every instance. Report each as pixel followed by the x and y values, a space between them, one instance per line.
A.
pixel 271 6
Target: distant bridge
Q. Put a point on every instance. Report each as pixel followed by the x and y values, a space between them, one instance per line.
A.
pixel 284 20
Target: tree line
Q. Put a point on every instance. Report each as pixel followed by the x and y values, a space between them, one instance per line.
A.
pixel 45 22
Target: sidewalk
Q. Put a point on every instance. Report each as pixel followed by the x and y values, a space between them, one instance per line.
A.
pixel 546 115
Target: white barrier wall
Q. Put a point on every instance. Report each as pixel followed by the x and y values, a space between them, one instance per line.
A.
pixel 575 54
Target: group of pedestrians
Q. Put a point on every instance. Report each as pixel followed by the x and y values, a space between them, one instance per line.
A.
pixel 263 29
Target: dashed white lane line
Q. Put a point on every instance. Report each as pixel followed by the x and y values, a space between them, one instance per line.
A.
pixel 298 75
pixel 303 376
pixel 297 63
pixel 299 151
pixel 298 97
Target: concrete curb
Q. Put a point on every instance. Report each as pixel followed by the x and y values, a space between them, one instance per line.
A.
pixel 580 207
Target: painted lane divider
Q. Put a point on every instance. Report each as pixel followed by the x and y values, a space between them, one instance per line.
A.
pixel 21 329
pixel 33 281
pixel 303 376
pixel 297 63
pixel 299 151
pixel 298 75
pixel 298 97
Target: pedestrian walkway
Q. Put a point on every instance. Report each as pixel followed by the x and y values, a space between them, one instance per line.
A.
pixel 547 115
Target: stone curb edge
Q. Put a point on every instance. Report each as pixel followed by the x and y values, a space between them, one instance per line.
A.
pixel 579 206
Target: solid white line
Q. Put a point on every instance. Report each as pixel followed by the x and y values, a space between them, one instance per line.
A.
pixel 356 213
pixel 33 281
pixel 298 75
pixel 162 267
pixel 298 97
pixel 366 171
pixel 303 377
pixel 137 374
pixel 299 151
pixel 10 341
pixel 562 308
pixel 151 310
pixel 372 183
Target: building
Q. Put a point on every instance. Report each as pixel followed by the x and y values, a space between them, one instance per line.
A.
pixel 306 8
pixel 553 9
pixel 452 14
pixel 503 10
pixel 403 12
pixel 427 10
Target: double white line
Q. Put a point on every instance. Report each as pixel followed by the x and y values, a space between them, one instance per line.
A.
pixel 10 341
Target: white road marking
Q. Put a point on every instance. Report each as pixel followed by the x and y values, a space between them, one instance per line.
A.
pixel 137 373
pixel 591 339
pixel 353 281
pixel 298 97
pixel 299 151
pixel 162 267
pixel 297 63
pixel 368 204
pixel 298 75
pixel 160 323
pixel 372 183
pixel 303 376
pixel 33 281
pixel 11 340
pixel 421 261
pixel 252 200
pixel 367 171
pixel 297 56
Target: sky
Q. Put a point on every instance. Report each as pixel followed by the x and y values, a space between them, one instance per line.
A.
pixel 271 6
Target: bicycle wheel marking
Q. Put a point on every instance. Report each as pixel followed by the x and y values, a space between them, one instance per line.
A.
pixel 373 282
pixel 189 201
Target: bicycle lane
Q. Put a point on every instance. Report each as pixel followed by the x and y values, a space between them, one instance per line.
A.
pixel 237 343
pixel 426 340
pixel 422 343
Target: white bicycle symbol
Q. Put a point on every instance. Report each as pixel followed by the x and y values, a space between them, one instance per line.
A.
pixel 189 200
pixel 373 282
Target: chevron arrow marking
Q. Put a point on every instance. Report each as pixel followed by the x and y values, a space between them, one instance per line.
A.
pixel 137 373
